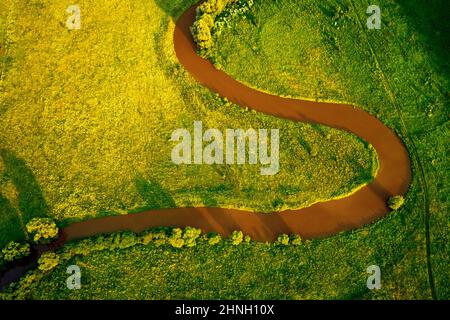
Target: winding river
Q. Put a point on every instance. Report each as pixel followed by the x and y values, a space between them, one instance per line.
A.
pixel 319 220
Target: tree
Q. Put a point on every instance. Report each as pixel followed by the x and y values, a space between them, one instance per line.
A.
pixel 160 238
pixel 176 243
pixel 201 31
pixel 15 250
pixel 42 230
pixel 176 239
pixel 205 20
pixel 296 240
pixel 396 202
pixel 283 239
pixel 214 239
pixel 236 237
pixel 190 235
pixel 48 261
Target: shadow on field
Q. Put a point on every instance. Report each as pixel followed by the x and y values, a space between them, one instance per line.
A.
pixel 208 200
pixel 153 194
pixel 21 203
pixel 174 8
pixel 434 31
pixel 10 228
pixel 31 201
pixel 165 5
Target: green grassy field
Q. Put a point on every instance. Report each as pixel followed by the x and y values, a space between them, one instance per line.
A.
pixel 87 115
pixel 398 73
pixel 225 271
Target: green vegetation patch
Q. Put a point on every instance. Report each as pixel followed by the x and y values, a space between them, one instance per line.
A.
pixel 169 263
pixel 400 73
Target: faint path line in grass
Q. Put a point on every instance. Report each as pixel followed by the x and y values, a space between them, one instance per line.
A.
pixel 416 157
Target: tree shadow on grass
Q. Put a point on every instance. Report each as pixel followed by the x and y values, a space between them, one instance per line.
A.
pixel 174 8
pixel 431 22
pixel 31 201
pixel 10 228
pixel 208 200
pixel 153 194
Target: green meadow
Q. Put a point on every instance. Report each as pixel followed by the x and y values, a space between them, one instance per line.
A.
pixel 86 117
pixel 399 73
pixel 101 146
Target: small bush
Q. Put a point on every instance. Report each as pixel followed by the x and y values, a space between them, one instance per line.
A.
pixel 190 235
pixel 147 238
pixel 176 239
pixel 160 238
pixel 396 202
pixel 206 25
pixel 202 33
pixel 14 251
pixel 85 246
pixel 128 239
pixel 247 239
pixel 42 230
pixel 214 239
pixel 296 240
pixel 283 239
pixel 236 237
pixel 48 261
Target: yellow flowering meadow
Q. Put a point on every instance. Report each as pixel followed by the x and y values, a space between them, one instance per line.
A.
pixel 88 115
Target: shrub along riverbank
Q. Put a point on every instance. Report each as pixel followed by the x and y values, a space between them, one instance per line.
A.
pixel 150 247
